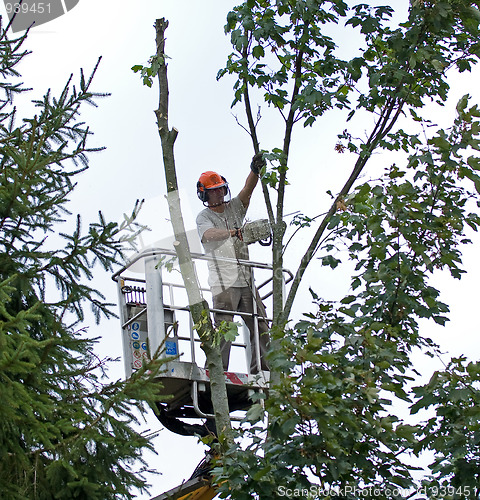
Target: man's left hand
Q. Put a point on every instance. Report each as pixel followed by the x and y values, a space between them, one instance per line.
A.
pixel 258 162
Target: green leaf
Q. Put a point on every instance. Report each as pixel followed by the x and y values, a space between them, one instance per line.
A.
pixel 255 413
pixel 230 330
pixel 462 103
pixel 331 261
pixel 258 52
pixel 424 402
pixel 474 162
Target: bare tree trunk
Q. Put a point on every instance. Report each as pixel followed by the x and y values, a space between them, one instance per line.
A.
pixel 198 306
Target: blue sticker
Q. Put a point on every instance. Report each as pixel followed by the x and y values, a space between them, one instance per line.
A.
pixel 136 345
pixel 135 326
pixel 144 346
pixel 135 335
pixel 171 348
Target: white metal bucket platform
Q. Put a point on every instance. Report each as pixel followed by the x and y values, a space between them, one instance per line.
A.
pixel 155 312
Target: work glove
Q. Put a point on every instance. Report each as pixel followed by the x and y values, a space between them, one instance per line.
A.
pixel 258 162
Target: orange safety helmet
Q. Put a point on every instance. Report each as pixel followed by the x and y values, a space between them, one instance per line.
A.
pixel 210 180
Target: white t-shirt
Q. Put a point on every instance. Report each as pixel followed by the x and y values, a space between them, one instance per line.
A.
pixel 223 275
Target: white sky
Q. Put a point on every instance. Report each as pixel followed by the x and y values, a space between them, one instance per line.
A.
pixel 209 139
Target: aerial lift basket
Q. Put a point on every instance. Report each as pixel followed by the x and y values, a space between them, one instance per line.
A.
pixel 152 318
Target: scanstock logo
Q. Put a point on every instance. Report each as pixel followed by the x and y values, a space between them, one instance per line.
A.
pixel 33 13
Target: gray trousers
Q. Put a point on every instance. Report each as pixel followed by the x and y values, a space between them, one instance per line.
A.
pixel 241 300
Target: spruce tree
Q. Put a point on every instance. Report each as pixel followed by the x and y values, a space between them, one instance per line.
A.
pixel 64 432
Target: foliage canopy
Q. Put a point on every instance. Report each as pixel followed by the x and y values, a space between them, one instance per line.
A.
pixel 346 368
pixel 65 433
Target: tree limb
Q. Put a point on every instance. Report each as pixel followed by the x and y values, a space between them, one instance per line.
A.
pixel 381 128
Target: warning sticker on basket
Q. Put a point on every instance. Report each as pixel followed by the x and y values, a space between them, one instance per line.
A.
pixel 233 377
pixel 137 363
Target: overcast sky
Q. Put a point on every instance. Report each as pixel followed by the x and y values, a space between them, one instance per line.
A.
pixel 209 139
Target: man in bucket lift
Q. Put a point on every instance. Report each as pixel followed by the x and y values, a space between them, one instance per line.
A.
pixel 219 227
